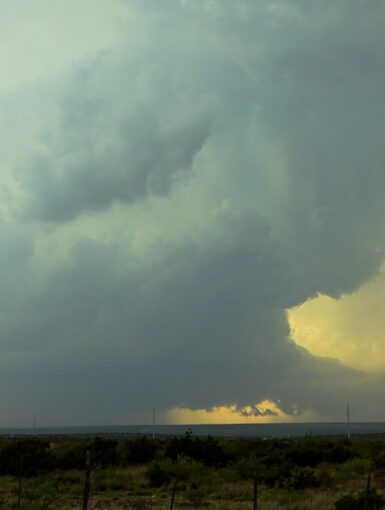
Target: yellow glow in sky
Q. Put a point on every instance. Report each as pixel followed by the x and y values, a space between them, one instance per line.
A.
pixel 230 414
pixel 351 328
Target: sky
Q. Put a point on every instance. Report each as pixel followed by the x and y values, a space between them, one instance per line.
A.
pixel 191 211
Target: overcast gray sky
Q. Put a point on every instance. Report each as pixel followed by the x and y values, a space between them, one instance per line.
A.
pixel 175 177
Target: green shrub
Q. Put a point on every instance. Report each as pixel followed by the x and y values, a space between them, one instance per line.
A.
pixel 160 472
pixel 364 501
pixel 355 467
pixel 111 479
pixel 208 450
pixel 340 452
pixel 196 493
pixel 103 452
pixel 69 454
pixel 301 478
pixel 324 475
pixel 136 451
pixel 25 457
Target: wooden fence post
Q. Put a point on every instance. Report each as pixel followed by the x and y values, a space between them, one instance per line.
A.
pixel 86 490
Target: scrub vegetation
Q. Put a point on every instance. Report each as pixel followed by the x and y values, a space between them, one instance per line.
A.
pixel 188 472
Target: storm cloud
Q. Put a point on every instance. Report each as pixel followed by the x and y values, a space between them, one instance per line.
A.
pixel 221 167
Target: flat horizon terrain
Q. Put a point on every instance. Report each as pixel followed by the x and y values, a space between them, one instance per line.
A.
pixel 235 430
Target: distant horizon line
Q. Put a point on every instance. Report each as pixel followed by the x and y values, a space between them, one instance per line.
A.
pixel 151 426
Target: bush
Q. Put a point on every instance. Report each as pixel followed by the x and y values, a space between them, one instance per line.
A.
pixel 301 478
pixel 160 473
pixel 340 452
pixel 111 479
pixel 307 453
pixel 208 450
pixel 367 501
pixel 25 457
pixel 136 451
pixel 103 452
pixel 324 475
pixel 70 455
pixel 195 494
pixel 355 467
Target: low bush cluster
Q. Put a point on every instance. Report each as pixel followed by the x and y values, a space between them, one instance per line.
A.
pixel 366 500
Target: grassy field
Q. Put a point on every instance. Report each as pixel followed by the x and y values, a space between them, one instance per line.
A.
pixel 307 473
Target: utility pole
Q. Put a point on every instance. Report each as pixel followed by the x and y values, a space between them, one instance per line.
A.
pixel 153 423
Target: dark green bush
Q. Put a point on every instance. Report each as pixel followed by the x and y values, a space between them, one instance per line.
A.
pixel 207 450
pixel 301 478
pixel 103 452
pixel 136 451
pixel 160 473
pixel 340 452
pixel 69 454
pixel 325 476
pixel 25 457
pixel 364 501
